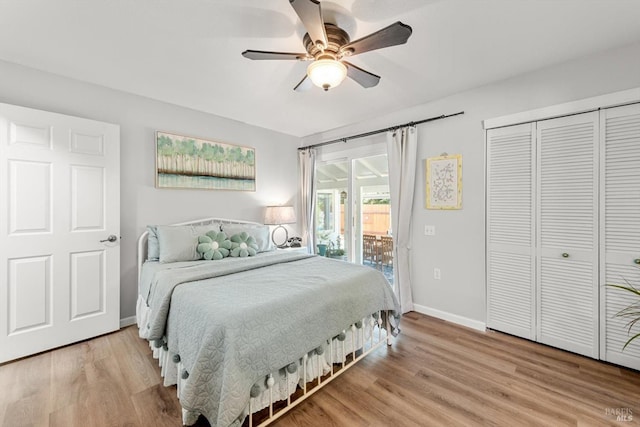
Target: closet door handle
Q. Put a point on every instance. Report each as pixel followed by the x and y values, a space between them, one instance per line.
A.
pixel 565 255
pixel 636 261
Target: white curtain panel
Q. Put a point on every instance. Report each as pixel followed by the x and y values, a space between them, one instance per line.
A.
pixel 402 145
pixel 307 163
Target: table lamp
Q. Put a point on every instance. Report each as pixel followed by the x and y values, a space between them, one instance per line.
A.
pixel 278 215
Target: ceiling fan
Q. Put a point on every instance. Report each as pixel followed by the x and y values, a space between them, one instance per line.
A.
pixel 327 46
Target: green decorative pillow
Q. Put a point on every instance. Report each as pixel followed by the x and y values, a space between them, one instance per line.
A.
pixel 243 245
pixel 214 245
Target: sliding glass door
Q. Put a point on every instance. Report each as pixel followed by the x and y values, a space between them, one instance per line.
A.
pixel 372 219
pixel 332 188
pixel 353 211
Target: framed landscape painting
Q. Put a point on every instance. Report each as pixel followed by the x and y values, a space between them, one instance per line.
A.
pixel 188 162
pixel 444 182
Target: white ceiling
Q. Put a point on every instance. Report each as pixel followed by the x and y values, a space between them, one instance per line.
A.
pixel 187 52
pixel 336 174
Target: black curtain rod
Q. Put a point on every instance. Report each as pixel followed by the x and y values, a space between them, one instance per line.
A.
pixel 374 132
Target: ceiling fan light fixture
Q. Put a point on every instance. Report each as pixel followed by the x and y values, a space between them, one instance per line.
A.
pixel 327 73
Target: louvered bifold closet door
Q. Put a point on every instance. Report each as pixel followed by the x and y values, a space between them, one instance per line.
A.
pixel 510 233
pixel 567 233
pixel 620 230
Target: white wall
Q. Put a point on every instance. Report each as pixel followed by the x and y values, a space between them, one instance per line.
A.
pixel 459 244
pixel 139 118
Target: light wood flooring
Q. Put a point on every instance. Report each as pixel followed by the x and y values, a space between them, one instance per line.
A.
pixel 435 374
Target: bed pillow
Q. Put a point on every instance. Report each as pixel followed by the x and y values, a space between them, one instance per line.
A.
pixel 214 245
pixel 259 232
pixel 153 248
pixel 180 242
pixel 243 245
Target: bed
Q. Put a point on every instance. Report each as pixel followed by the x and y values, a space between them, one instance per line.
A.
pixel 247 336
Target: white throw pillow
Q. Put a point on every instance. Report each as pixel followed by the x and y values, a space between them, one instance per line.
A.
pixel 179 242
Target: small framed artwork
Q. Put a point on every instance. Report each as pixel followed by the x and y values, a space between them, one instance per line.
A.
pixel 444 182
pixel 196 163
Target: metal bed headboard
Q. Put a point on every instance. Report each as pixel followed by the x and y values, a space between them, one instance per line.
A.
pixel 144 237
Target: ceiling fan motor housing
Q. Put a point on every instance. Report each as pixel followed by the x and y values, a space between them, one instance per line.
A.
pixel 336 38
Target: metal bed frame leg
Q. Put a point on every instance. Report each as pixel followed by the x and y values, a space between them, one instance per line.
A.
pixel 344 352
pixel 353 342
pixel 331 355
pixel 270 383
pixel 304 373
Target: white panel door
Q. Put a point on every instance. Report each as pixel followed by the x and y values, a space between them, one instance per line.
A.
pixel 567 233
pixel 510 230
pixel 59 203
pixel 620 229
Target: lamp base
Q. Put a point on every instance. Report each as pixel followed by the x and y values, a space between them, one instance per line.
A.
pixel 283 243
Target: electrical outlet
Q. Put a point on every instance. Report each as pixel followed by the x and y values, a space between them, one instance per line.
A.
pixel 429 230
pixel 436 273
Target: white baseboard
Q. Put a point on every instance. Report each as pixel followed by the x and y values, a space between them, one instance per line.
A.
pixel 454 318
pixel 127 321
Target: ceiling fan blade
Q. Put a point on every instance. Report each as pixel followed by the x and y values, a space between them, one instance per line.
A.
pixel 264 54
pixel 362 77
pixel 310 13
pixel 304 85
pixel 395 34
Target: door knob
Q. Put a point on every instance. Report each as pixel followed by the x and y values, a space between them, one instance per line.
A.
pixel 112 238
pixel 565 255
pixel 636 261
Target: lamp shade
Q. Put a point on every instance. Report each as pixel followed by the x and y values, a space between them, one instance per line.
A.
pixel 327 73
pixel 276 215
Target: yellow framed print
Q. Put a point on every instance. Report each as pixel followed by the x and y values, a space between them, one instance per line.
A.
pixel 444 182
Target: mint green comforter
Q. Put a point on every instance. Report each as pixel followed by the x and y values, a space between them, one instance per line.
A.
pixel 232 323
